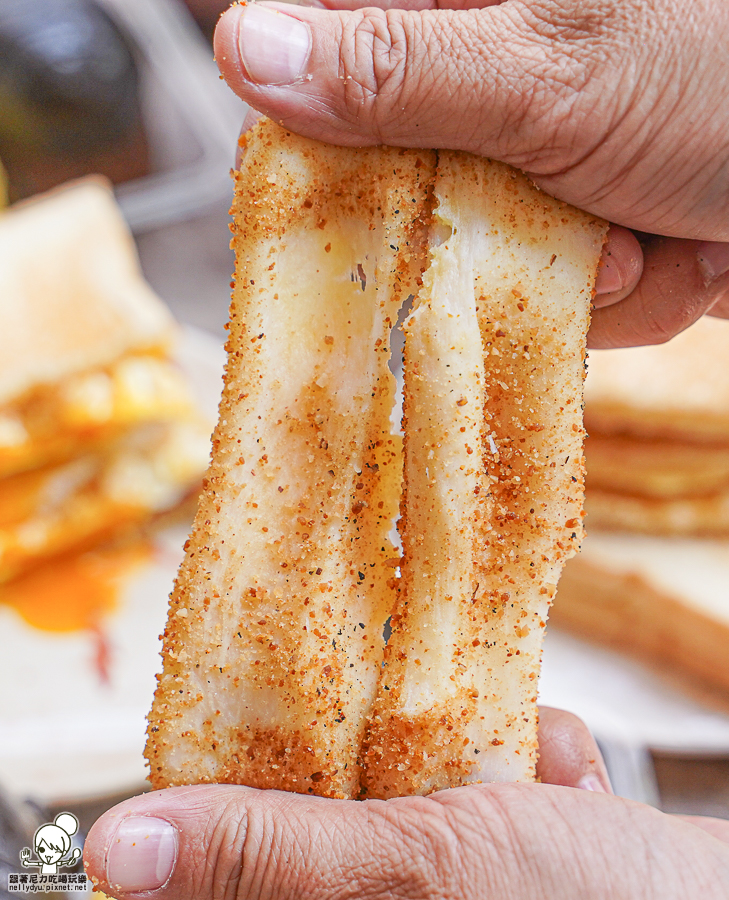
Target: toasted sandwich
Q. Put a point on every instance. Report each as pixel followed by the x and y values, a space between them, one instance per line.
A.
pixel 658 420
pixel 98 430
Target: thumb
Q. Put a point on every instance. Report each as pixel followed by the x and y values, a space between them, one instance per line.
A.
pixel 499 841
pixel 224 841
pixel 481 80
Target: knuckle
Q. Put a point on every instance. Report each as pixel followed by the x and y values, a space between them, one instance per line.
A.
pixel 242 853
pixel 390 860
pixel 223 846
pixel 661 327
pixel 670 296
pixel 664 320
pixel 426 850
pixel 377 53
pixel 553 75
pixel 568 22
pixel 720 307
pixel 277 858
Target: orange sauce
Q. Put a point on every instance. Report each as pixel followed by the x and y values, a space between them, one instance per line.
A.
pixel 75 592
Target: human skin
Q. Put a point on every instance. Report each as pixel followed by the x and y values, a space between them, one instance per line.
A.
pixel 616 106
pixel 564 838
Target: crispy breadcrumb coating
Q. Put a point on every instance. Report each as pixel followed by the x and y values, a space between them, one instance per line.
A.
pixel 274 644
pixel 492 505
pixel 274 638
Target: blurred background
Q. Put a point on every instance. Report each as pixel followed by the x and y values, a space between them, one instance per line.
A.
pixel 109 380
pixel 128 90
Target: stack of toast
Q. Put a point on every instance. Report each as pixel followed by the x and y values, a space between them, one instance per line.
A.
pixel 98 431
pixel 653 575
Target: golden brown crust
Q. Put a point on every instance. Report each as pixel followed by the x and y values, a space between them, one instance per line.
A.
pixel 274 637
pixel 678 390
pixel 274 642
pixel 493 479
pixel 658 457
pixel 656 469
pixel 86 305
pixel 687 516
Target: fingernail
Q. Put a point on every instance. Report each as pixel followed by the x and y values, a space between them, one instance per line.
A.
pixel 591 782
pixel 142 854
pixel 608 278
pixel 713 260
pixel 274 47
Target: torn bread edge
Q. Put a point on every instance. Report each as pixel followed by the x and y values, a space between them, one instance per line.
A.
pixel 273 653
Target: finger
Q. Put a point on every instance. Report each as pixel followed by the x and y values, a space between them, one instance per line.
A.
pixel 720 310
pixel 714 261
pixel 402 4
pixel 221 841
pixel 499 841
pixel 226 842
pixel 218 841
pixel 621 266
pixel 568 754
pixel 681 281
pixel 250 119
pixel 419 78
pixel 719 828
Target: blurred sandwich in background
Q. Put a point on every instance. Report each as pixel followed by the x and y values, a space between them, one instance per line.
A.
pixel 658 420
pixel 98 431
pixel 653 575
pixel 664 600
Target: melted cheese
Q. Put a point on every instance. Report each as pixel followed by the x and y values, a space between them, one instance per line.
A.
pixel 76 592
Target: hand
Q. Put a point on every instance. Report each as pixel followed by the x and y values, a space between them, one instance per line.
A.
pixel 25 857
pixel 616 106
pixel 504 842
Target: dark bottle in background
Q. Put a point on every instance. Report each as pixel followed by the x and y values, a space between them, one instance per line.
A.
pixel 69 96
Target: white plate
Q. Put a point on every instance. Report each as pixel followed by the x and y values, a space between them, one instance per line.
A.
pixel 623 701
pixel 64 735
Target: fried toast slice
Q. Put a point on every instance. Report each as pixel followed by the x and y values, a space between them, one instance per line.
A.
pixel 492 504
pixel 275 635
pixel 274 644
